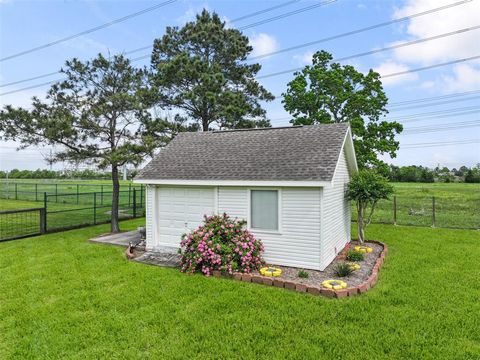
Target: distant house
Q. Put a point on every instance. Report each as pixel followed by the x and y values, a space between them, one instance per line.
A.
pixel 288 183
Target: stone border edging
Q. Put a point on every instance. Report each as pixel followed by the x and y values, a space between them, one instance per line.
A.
pixel 315 290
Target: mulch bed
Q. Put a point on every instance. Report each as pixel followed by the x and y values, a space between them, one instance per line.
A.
pixel 315 277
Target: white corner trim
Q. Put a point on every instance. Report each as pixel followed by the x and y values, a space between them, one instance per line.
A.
pixel 349 154
pixel 235 183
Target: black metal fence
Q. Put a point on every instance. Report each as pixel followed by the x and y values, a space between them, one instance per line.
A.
pixel 31 191
pixel 16 224
pixel 69 211
pixel 432 211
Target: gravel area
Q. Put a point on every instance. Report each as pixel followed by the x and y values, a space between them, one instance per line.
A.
pixel 316 277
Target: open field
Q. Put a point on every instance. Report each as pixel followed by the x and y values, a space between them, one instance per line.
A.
pixel 457 205
pixel 72 299
pixel 34 189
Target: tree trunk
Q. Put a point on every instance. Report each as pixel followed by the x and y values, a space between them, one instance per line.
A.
pixel 360 227
pixel 115 226
pixel 205 125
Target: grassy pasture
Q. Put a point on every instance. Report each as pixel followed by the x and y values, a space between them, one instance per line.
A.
pixel 457 205
pixel 65 298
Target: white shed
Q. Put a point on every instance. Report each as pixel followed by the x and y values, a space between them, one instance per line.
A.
pixel 288 183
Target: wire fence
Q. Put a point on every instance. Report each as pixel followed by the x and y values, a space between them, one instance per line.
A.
pixel 69 211
pixel 432 211
pixel 16 224
pixel 33 191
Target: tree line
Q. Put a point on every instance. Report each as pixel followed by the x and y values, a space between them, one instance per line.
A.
pixel 423 174
pixel 109 113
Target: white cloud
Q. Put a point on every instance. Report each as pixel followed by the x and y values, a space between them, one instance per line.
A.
pixel 361 6
pixel 465 77
pixel 452 47
pixel 392 67
pixel 304 59
pixel 263 44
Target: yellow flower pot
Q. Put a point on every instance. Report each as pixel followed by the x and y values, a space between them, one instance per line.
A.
pixel 334 284
pixel 363 249
pixel 271 271
pixel 354 266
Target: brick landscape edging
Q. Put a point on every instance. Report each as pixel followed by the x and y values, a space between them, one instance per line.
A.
pixel 316 290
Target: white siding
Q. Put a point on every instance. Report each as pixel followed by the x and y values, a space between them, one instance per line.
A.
pixel 233 201
pixel 298 241
pixel 336 214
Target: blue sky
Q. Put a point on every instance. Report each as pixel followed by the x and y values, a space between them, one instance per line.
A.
pixel 27 24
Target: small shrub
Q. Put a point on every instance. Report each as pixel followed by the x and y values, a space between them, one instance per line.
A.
pixel 343 269
pixel 353 255
pixel 221 244
pixel 303 274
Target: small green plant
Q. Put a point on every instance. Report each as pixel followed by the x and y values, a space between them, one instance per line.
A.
pixel 343 269
pixel 353 255
pixel 303 274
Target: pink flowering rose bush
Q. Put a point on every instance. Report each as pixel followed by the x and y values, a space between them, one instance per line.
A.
pixel 221 243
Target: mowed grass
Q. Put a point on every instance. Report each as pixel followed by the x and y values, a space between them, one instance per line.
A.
pixel 63 297
pixel 457 205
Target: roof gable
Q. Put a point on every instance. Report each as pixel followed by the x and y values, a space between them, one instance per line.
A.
pixel 303 153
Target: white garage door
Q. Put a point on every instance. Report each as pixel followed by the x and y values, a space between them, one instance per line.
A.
pixel 181 209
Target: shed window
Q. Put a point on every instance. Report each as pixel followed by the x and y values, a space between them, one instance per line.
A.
pixel 264 209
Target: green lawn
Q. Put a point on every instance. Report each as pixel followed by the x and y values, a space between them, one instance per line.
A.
pixel 62 297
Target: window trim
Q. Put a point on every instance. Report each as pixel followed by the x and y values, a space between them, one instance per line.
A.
pixel 279 209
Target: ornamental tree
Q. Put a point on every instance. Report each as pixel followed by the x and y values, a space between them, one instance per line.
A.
pixel 366 188
pixel 200 70
pixel 95 116
pixel 327 92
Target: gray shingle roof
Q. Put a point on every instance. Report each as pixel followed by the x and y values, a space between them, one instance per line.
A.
pixel 304 153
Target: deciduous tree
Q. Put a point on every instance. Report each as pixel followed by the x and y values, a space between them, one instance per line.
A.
pixel 327 92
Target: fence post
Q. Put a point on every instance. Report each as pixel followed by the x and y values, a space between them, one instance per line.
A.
pixel 77 194
pixel 101 196
pixel 43 221
pixel 129 191
pixel 141 196
pixel 394 210
pixel 134 202
pixel 36 192
pixel 16 196
pixel 45 212
pixel 433 211
pixel 94 208
pixel 56 192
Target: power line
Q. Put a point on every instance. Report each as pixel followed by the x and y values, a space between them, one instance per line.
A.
pixel 441 127
pixel 432 66
pixel 88 31
pixel 447 96
pixel 357 31
pixel 440 143
pixel 383 76
pixel 281 16
pixel 419 116
pixel 259 12
pixel 349 33
pixel 408 107
pixel 146 47
pixel 437 112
